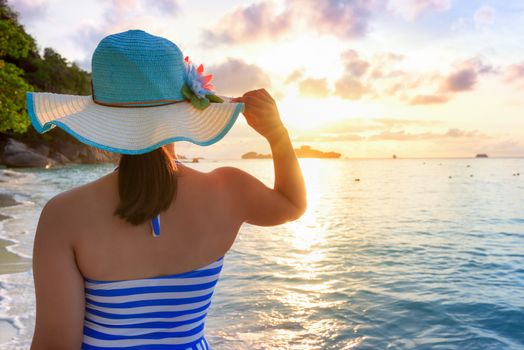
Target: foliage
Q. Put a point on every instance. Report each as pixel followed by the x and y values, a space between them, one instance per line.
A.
pixel 12 98
pixel 14 41
pixel 22 69
pixel 54 74
pixel 199 102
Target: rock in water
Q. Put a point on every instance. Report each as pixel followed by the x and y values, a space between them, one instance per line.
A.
pixel 17 154
pixel 7 201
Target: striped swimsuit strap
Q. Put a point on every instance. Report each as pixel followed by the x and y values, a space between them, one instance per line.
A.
pixel 164 312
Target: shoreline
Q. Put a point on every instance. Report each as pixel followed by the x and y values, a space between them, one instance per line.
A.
pixel 10 262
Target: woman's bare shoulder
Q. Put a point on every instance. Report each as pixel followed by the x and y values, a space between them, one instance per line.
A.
pixel 67 203
pixel 230 175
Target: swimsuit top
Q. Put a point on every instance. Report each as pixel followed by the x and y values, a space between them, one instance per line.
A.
pixel 165 312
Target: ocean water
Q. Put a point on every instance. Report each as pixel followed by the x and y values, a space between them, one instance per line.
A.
pixel 417 254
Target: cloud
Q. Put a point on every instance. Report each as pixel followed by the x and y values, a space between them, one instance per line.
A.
pixel 505 148
pixel 465 77
pixel 353 64
pixel 29 10
pixel 343 18
pixel 402 135
pixel 428 99
pixel 121 15
pixel 383 129
pixel 350 88
pixel 169 7
pixel 381 76
pixel 412 9
pixel 316 88
pixel 295 76
pixel 234 77
pixel 249 23
pixel 484 15
pixel 461 80
pixel 514 72
pixel 396 122
pixel 265 21
pixel 320 137
pixel 462 133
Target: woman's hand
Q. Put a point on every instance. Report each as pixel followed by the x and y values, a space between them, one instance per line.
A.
pixel 261 113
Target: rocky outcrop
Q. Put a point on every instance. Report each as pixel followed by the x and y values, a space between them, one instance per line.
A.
pixel 20 154
pixel 17 154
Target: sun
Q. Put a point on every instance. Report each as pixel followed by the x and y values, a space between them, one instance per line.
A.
pixel 307 114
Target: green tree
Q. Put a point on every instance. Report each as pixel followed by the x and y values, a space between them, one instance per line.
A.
pixel 15 45
pixel 54 74
pixel 22 69
pixel 13 116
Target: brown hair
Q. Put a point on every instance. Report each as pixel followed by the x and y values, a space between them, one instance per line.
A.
pixel 147 184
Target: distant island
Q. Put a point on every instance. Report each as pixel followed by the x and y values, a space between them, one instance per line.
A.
pixel 302 152
pixel 481 155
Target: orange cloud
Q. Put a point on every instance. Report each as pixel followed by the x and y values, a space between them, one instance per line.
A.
pixel 316 88
pixel 428 99
pixel 350 88
pixel 402 135
pixel 514 72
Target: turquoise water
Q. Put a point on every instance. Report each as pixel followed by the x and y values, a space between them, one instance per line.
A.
pixel 418 254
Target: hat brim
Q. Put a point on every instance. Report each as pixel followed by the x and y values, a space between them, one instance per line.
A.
pixel 131 130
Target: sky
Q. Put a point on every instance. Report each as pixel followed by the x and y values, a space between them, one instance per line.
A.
pixel 365 78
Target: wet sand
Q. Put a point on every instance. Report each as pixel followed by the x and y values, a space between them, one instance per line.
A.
pixel 9 262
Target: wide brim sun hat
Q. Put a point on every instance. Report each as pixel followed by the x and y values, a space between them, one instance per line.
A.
pixel 144 94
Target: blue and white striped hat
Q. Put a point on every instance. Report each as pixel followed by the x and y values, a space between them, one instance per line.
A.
pixel 144 95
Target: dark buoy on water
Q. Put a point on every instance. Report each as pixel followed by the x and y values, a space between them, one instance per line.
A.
pixel 394 156
pixel 357 179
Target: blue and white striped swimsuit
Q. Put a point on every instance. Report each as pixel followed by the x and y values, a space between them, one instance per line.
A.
pixel 166 312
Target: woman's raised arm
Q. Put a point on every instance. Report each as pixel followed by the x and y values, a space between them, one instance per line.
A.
pixel 259 204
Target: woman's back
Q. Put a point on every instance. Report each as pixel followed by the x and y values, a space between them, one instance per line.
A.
pixel 196 229
pixel 142 290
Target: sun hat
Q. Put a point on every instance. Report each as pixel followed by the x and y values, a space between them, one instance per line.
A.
pixel 144 94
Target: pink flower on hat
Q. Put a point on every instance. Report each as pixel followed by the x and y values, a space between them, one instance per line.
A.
pixel 198 89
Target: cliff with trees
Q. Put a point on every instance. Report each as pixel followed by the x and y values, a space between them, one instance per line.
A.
pixel 22 69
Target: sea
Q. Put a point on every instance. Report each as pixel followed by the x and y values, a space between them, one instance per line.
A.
pixel 391 254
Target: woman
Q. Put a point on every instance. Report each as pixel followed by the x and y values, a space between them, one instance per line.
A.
pixel 131 260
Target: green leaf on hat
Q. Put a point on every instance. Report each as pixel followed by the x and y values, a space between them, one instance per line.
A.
pixel 186 91
pixel 200 103
pixel 214 98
